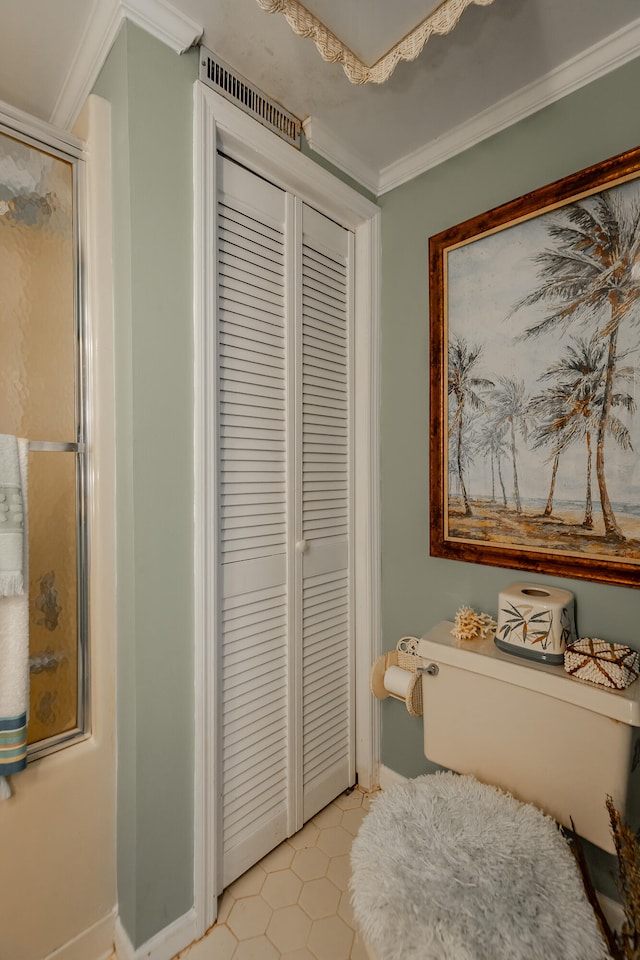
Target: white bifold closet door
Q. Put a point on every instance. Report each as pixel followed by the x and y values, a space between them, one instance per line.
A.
pixel 284 630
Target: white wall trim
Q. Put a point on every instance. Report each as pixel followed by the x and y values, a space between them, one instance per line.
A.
pixel 613 911
pixel 93 49
pixel 206 855
pixel 39 130
pixel 95 943
pixel 606 55
pixel 597 61
pixel 389 777
pixel 219 123
pixel 94 125
pixel 367 394
pixel 163 946
pixel 157 17
pixel 241 135
pixel 164 21
pixel 322 141
pixel 123 946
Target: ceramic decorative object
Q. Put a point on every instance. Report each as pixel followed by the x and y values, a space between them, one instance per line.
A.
pixel 535 622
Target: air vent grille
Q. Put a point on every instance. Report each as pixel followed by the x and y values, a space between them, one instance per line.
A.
pixel 219 75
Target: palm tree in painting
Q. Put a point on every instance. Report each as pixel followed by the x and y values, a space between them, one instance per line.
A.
pixel 462 453
pixel 548 410
pixel 492 441
pixel 510 408
pixel 593 275
pixel 499 447
pixel 465 387
pixel 571 408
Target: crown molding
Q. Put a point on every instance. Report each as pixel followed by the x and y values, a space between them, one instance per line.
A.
pixel 602 58
pixel 97 40
pixel 164 21
pixel 322 141
pixel 157 17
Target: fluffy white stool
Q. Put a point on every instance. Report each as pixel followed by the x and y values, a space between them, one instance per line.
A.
pixel 447 868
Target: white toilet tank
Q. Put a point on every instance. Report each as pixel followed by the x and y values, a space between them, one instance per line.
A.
pixel 533 730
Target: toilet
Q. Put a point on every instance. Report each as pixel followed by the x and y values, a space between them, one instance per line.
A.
pixel 533 747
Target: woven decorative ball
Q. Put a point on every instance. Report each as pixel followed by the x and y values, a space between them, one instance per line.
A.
pixel 609 664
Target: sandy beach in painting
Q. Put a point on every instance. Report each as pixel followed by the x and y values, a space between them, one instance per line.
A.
pixel 562 532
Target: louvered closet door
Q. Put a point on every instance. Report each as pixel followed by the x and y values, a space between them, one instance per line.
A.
pixel 284 623
pixel 327 723
pixel 253 619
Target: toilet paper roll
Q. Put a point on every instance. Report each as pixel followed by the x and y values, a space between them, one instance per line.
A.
pixel 398 681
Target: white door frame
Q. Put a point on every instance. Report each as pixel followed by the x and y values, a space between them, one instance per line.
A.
pixel 219 123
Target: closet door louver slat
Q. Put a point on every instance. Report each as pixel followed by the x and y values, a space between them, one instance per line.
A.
pixel 252 516
pixel 327 748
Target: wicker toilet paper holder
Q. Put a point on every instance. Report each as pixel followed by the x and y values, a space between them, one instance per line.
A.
pixel 406 657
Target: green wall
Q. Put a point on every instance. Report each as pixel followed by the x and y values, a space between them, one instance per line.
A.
pixel 596 122
pixel 150 90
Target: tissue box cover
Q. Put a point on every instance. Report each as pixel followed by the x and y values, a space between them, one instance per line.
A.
pixel 535 621
pixel 610 664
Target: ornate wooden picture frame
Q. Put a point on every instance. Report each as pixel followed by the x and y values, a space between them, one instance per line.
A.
pixel 535 380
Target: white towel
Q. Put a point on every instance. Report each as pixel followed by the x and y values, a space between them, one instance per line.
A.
pixel 14 653
pixel 11 519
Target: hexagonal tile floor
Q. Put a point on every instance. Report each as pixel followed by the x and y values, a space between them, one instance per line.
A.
pixel 294 904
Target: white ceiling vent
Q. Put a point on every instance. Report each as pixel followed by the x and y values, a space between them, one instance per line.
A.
pixel 220 76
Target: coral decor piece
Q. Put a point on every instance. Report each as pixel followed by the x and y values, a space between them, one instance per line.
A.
pixel 470 625
pixel 608 664
pixel 332 49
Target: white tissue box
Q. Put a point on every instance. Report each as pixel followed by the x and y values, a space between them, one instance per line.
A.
pixel 535 622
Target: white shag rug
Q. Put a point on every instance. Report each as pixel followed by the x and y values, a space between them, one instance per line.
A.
pixel 447 868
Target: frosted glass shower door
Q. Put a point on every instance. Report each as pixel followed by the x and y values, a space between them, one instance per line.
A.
pixel 41 400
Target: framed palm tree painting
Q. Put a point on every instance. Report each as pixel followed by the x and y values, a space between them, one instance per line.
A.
pixel 535 380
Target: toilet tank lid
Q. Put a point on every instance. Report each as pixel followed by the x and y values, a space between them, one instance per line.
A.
pixel 484 657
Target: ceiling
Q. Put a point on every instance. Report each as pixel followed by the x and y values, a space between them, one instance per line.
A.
pixel 370 29
pixel 502 61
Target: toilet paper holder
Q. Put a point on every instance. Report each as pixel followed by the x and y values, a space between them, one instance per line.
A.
pixel 405 658
pixel 432 669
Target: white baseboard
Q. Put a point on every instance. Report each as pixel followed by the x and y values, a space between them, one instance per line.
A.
pixel 612 910
pixel 96 943
pixel 163 946
pixel 388 777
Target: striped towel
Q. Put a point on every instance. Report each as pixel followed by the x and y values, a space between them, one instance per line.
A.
pixel 14 651
pixel 11 519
